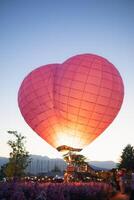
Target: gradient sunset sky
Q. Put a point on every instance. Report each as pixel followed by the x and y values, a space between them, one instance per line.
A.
pixel 39 32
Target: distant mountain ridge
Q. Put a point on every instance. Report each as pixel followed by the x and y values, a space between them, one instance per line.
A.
pixel 3 160
pixel 103 164
pixel 96 165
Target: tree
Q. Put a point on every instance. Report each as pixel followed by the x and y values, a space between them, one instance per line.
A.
pixel 2 171
pixel 79 160
pixel 75 159
pixel 19 157
pixel 127 158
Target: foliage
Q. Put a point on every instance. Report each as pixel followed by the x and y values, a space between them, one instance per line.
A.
pixel 19 157
pixel 75 159
pixel 79 160
pixel 127 158
pixel 2 171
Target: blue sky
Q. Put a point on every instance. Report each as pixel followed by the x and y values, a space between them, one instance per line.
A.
pixel 38 32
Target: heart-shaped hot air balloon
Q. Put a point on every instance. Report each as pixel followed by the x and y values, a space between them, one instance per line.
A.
pixel 71 104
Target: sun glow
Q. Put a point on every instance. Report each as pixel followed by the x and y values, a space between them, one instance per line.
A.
pixel 70 138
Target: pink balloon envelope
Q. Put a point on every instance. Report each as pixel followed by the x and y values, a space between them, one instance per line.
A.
pixel 72 103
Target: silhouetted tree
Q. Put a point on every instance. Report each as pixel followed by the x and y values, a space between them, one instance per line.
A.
pixel 127 158
pixel 2 171
pixel 19 157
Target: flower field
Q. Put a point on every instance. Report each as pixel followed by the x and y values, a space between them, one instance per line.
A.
pixel 55 191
